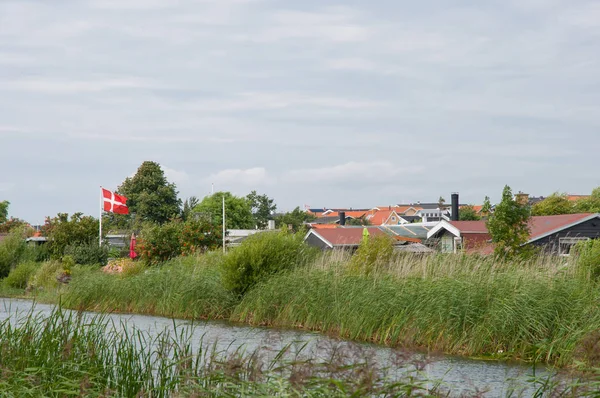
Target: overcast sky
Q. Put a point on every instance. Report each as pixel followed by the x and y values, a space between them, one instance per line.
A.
pixel 315 102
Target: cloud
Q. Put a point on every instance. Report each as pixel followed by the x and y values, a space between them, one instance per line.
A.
pixel 53 86
pixel 177 176
pixel 247 177
pixel 7 186
pixel 360 173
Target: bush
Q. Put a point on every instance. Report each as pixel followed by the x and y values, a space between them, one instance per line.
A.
pixel 373 254
pixel 87 253
pixel 160 243
pixel 262 255
pixel 12 249
pixel 589 257
pixel 45 276
pixel 19 276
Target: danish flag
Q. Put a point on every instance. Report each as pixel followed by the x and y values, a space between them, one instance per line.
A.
pixel 114 203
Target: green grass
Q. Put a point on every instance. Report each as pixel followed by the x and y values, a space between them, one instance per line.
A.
pixel 544 310
pixel 181 288
pixel 67 354
pixel 533 312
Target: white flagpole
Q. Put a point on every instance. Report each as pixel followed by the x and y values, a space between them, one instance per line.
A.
pixel 223 223
pixel 101 207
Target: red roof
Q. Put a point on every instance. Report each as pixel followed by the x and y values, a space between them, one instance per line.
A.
pixel 541 225
pixel 349 213
pixel 380 217
pixel 347 236
pixel 474 227
pixel 538 225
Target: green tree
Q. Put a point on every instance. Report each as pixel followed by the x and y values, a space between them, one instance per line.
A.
pixel 62 232
pixel 468 213
pixel 188 207
pixel 590 204
pixel 358 221
pixel 508 225
pixel 486 209
pixel 4 211
pixel 238 213
pixel 295 218
pixel 557 203
pixel 150 197
pixel 262 208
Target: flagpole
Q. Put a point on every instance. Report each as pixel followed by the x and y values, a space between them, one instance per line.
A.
pixel 223 223
pixel 101 207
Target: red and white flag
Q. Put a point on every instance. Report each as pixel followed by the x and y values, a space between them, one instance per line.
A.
pixel 114 203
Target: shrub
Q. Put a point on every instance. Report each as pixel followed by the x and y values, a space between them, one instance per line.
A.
pixel 199 236
pixel 12 249
pixel 160 243
pixel 262 255
pixel 45 276
pixel 19 276
pixel 374 253
pixel 589 257
pixel 87 253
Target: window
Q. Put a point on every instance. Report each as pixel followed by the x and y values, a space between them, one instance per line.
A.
pixel 566 244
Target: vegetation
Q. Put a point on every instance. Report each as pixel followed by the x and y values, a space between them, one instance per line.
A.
pixel 90 253
pixel 262 208
pixel 557 203
pixel 468 213
pixel 70 354
pixel 374 254
pixel 63 231
pixel 238 211
pixel 4 211
pixel 262 256
pixel 13 250
pixel 508 225
pixel 150 197
pixel 294 220
pixel 182 288
pixel 19 276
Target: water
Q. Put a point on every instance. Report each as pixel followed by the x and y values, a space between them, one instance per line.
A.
pixel 459 375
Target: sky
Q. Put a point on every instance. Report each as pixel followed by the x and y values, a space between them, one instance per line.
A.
pixel 353 103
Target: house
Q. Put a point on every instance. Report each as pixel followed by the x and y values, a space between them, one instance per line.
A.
pixel 383 217
pixel 555 234
pixel 413 230
pixel 348 237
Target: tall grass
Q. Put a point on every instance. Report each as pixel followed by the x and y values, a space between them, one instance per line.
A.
pixel 534 311
pixel 183 288
pixel 67 354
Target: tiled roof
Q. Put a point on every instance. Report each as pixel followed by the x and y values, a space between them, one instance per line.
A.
pixel 380 217
pixel 347 236
pixel 577 197
pixel 349 213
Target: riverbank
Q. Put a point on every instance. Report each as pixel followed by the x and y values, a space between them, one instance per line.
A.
pixel 538 311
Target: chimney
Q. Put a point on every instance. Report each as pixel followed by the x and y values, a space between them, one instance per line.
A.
pixel 455 215
pixel 342 218
pixel 522 198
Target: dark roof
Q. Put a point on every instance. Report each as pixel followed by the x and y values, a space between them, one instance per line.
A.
pixel 418 231
pixel 410 218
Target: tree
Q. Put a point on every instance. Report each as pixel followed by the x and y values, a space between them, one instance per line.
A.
pixel 62 232
pixel 4 211
pixel 468 213
pixel 358 221
pixel 150 197
pixel 262 208
pixel 590 204
pixel 486 209
pixel 238 213
pixel 441 205
pixel 508 225
pixel 296 218
pixel 557 203
pixel 188 207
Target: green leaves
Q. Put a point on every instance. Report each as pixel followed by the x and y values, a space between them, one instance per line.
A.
pixel 150 197
pixel 509 226
pixel 238 211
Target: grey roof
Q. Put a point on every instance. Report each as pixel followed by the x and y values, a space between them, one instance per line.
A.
pixel 416 230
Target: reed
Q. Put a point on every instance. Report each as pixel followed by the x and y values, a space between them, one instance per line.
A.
pixel 182 288
pixel 71 354
pixel 533 311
